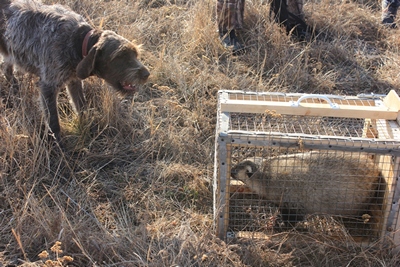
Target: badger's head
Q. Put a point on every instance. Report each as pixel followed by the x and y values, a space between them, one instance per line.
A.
pixel 244 170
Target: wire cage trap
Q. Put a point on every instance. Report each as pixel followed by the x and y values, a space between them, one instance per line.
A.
pixel 319 163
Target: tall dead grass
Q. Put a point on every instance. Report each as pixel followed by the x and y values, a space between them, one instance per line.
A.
pixel 134 185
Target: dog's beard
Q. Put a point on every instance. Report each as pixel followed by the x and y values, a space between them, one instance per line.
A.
pixel 127 83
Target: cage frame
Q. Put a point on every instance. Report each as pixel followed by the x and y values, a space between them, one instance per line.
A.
pixel 385 110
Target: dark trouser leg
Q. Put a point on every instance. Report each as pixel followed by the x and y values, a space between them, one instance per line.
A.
pixel 389 12
pixel 296 19
pixel 230 14
pixel 230 18
pixel 296 8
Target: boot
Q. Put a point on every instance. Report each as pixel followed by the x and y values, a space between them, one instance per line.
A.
pixel 230 40
pixel 389 11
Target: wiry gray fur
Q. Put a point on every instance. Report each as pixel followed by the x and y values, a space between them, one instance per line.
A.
pixel 338 183
pixel 46 40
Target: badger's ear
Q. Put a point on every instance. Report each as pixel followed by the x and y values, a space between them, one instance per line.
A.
pixel 86 66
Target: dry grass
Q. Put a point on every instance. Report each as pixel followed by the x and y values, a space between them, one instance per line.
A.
pixel 134 186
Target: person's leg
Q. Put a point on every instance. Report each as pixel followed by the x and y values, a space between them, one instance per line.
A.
pixel 295 7
pixel 230 18
pixel 296 18
pixel 389 12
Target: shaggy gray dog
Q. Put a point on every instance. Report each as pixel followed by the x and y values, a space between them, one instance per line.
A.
pixel 61 48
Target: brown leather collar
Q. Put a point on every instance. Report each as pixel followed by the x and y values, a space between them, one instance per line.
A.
pixel 85 43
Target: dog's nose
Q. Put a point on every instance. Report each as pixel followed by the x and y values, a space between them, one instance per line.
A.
pixel 144 73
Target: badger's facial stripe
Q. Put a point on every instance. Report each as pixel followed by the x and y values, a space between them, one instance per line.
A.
pixel 249 171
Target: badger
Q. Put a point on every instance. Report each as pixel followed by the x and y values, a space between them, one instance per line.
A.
pixel 332 183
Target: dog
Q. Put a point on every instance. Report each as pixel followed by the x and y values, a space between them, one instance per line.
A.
pixel 61 48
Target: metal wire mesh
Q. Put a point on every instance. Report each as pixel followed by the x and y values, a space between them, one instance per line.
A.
pixel 342 182
pixel 343 127
pixel 321 202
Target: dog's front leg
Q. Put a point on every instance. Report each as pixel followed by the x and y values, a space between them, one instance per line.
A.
pixel 75 91
pixel 49 95
pixel 8 70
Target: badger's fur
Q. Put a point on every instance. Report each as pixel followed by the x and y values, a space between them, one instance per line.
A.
pixel 338 183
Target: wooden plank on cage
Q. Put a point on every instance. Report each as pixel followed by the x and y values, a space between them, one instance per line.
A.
pixel 392 101
pixel 385 164
pixel 224 117
pixel 309 109
pixel 227 185
pixel 238 186
pixel 294 97
pixel 222 183
pixel 394 216
pixel 391 205
pixel 251 235
pixel 296 237
pixel 222 187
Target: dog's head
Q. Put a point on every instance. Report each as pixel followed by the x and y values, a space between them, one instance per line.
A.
pixel 114 59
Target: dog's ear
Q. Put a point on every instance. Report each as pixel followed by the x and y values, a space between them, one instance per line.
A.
pixel 86 66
